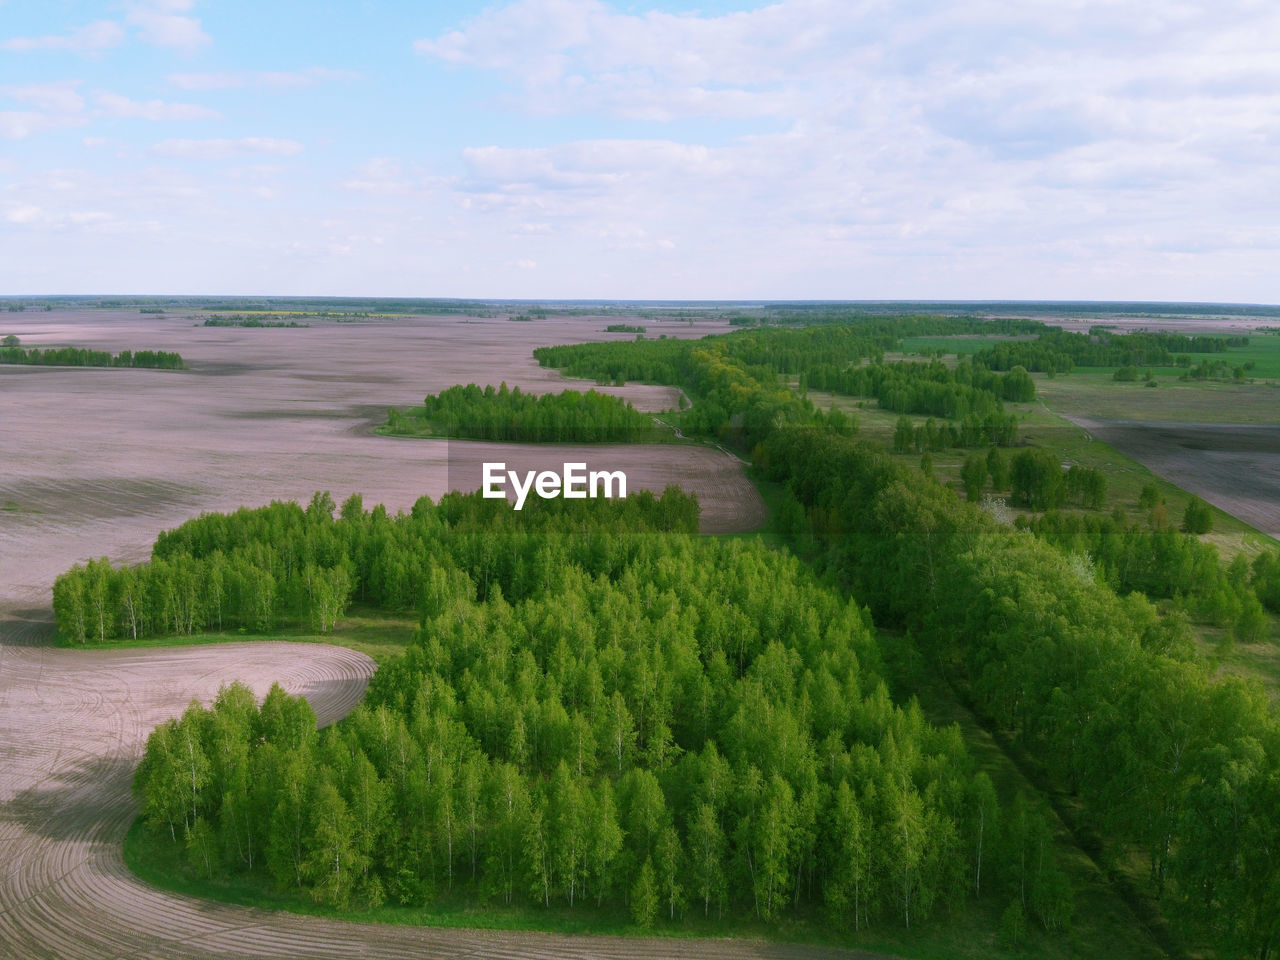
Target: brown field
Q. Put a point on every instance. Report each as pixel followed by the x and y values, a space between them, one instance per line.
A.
pixel 98 462
pixel 1236 467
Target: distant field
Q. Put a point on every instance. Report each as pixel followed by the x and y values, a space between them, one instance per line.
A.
pixel 1093 393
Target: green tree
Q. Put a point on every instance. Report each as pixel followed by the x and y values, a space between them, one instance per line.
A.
pixel 1198 517
pixel 706 851
pixel 644 897
pixel 669 858
pixel 974 476
pixel 333 861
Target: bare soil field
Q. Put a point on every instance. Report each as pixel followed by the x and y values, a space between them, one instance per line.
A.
pixel 1236 467
pixel 96 462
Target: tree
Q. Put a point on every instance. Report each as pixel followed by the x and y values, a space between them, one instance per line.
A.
pixel 998 469
pixel 1198 517
pixel 644 897
pixel 904 435
pixel 604 840
pixel 1148 497
pixel 1018 385
pixel 974 476
pixel 771 846
pixel 983 824
pixel 670 861
pixel 570 829
pixel 850 890
pixel 69 605
pixel 907 842
pixel 1036 479
pixel 706 849
pixel 333 861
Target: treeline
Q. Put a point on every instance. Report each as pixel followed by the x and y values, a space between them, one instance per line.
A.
pixel 1059 351
pixel 1167 764
pixel 995 429
pixel 81 357
pixel 654 723
pixel 282 565
pixel 624 328
pixel 739 380
pixel 240 320
pixel 509 414
pixel 789 352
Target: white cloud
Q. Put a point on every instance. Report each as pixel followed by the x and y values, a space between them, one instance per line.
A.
pixel 161 22
pixel 89 39
pixel 59 96
pixel 907 147
pixel 222 148
pixel 25 213
pixel 381 176
pixel 18 124
pixel 258 78
pixel 117 106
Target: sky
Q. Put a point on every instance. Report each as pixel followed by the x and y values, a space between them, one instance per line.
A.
pixel 805 149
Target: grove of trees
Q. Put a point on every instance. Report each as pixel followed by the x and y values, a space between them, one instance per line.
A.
pixel 599 714
pixel 509 414
pixel 82 357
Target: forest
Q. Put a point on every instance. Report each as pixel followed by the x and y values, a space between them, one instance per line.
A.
pixel 509 414
pixel 82 357
pixel 1050 637
pixel 598 713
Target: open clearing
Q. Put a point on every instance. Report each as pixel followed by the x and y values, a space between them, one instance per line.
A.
pixel 97 462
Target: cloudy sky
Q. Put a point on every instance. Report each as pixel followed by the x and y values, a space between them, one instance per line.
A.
pixel 1082 149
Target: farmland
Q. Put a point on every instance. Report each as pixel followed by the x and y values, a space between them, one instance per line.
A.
pixel 292 412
